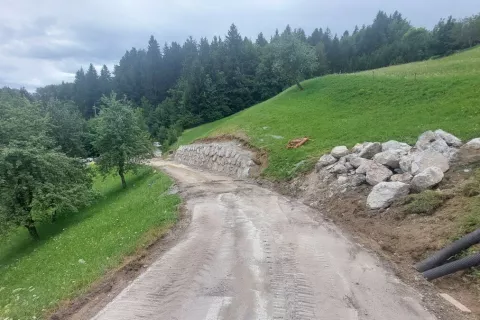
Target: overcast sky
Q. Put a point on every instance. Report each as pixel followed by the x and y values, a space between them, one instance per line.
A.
pixel 46 41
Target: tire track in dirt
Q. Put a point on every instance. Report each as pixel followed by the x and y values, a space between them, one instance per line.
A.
pixel 250 253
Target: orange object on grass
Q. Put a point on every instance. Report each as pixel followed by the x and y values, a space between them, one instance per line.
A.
pixel 295 143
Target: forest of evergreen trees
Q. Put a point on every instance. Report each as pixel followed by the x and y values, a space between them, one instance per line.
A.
pixel 184 85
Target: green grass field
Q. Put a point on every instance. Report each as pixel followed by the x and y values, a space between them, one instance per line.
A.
pixel 398 102
pixel 78 249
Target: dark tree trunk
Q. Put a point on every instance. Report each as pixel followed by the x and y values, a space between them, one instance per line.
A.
pixel 30 225
pixel 121 173
pixel 54 216
pixel 299 85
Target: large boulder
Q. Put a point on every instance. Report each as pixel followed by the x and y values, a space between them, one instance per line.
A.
pixel 449 138
pixel 351 181
pixel 357 161
pixel 358 148
pixel 325 160
pixel 350 156
pixel 357 179
pixel 401 177
pixel 470 152
pixel 349 166
pixel 395 145
pixel 428 158
pixel 377 173
pixel 370 149
pixel 364 165
pixel 429 140
pixel 339 168
pixel 425 139
pixel 426 179
pixel 438 145
pixel 342 160
pixel 339 151
pixel 384 193
pixel 473 144
pixel 390 157
pixel 405 162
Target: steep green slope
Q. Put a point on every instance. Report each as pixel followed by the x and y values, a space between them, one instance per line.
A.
pixel 398 102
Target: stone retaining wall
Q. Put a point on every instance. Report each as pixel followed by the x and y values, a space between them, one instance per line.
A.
pixel 229 158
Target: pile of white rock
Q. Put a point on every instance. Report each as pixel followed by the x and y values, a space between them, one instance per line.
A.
pixel 393 168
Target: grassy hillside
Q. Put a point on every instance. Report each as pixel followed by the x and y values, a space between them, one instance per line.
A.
pixel 78 249
pixel 398 102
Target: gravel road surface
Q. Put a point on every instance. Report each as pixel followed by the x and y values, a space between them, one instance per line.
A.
pixel 250 253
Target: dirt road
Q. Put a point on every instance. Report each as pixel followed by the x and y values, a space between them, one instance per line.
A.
pixel 250 253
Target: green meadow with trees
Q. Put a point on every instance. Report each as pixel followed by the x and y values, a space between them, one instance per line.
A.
pixel 180 86
pixel 66 220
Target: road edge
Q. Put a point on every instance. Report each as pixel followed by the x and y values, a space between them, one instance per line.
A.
pixel 105 289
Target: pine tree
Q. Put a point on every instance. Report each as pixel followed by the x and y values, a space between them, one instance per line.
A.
pixel 276 36
pixel 233 69
pixel 261 41
pixel 316 37
pixel 105 83
pixel 92 91
pixel 300 33
pixel 443 36
pixel 204 52
pixel 153 83
pixel 234 42
pixel 322 60
pixel 334 55
pixel 80 95
pixel 287 31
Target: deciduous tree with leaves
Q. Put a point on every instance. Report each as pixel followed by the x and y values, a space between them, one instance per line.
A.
pixel 37 182
pixel 120 137
pixel 67 127
pixel 294 58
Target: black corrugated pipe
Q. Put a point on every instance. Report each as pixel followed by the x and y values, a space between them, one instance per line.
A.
pixel 446 269
pixel 441 256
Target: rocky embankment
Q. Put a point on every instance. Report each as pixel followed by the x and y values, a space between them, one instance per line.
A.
pixel 393 169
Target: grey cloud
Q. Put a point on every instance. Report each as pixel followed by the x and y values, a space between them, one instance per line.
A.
pixel 46 42
pixel 44 52
pixel 105 43
pixel 7 69
pixel 4 82
pixel 5 33
pixel 38 27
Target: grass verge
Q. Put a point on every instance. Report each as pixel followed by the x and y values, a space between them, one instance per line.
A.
pixel 424 203
pixel 78 249
pixel 398 102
